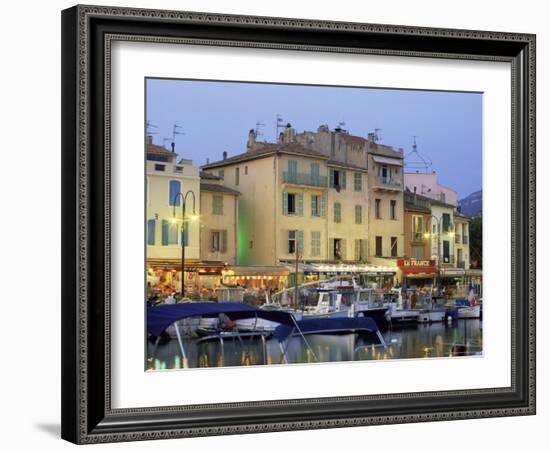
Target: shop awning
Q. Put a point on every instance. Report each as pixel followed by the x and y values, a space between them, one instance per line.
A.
pixel 272 271
pixel 387 161
pixel 190 265
pixel 347 269
pixel 452 272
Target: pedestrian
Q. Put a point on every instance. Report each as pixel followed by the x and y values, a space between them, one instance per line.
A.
pixel 414 299
pixel 170 300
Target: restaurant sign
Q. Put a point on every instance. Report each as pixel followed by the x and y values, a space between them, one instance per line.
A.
pixel 416 265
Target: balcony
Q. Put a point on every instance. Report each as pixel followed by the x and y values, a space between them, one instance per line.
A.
pixel 461 264
pixel 465 240
pixel 305 179
pixel 387 183
pixel 418 237
pixel 448 259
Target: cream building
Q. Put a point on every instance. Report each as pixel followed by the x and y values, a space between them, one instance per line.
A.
pixel 294 200
pixel 462 241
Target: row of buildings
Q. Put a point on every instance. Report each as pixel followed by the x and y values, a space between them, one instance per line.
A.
pixel 325 202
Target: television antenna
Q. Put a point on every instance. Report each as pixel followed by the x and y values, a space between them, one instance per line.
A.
pixel 257 131
pixel 279 123
pixel 148 126
pixel 377 135
pixel 175 131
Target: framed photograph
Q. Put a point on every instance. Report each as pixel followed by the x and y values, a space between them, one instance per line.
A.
pixel 279 224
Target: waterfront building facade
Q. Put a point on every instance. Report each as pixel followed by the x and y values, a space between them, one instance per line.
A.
pixel 462 241
pixel 417 220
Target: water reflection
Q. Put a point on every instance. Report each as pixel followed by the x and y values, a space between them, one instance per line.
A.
pixel 463 338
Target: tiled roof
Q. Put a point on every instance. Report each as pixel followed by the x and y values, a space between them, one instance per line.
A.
pixel 268 149
pixel 158 150
pixel 218 188
pixel 350 138
pixel 209 176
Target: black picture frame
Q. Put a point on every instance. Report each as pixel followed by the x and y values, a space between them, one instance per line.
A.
pixel 87 416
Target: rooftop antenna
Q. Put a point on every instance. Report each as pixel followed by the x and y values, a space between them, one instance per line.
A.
pixel 257 129
pixel 376 135
pixel 341 125
pixel 279 123
pixel 415 162
pixel 175 131
pixel 148 126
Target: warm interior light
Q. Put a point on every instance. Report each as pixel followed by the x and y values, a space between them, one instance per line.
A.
pixel 173 220
pixel 194 217
pixel 426 235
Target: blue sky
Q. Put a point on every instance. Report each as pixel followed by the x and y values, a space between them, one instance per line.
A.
pixel 216 117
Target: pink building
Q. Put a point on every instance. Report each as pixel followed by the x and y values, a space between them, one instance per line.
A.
pixel 426 184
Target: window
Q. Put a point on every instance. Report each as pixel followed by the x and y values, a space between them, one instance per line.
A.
pixel 218 241
pixel 357 182
pixel 217 205
pixel 337 212
pixel 446 219
pixel 293 204
pixel 170 233
pixel 160 167
pixel 318 205
pixel 337 179
pixel 237 176
pixel 221 173
pixel 377 208
pixel 392 209
pixel 418 252
pixel 446 252
pixel 417 228
pixel 173 191
pixel 292 171
pixel 246 170
pixel 358 214
pixel 151 232
pixel 315 243
pixel 338 249
pixel 295 242
pixel 393 242
pixel 378 245
pixel 315 174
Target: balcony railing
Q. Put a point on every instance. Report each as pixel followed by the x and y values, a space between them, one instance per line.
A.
pixel 448 259
pixel 305 179
pixel 388 183
pixel 418 237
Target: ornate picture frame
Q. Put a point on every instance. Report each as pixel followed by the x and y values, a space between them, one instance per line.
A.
pixel 87 35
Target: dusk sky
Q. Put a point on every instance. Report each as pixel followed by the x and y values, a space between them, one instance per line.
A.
pixel 216 116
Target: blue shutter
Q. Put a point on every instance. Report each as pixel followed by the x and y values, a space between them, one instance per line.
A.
pixel 175 189
pixel 285 203
pixel 164 232
pixel 300 209
pixel 151 232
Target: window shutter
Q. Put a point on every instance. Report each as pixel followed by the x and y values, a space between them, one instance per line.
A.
pixel 300 210
pixel 164 232
pixel 323 205
pixel 331 177
pixel 223 243
pixel 151 232
pixel 300 238
pixel 357 250
pixel 343 249
pixel 364 249
pixel 331 249
pixel 343 179
pixel 358 214
pixel 174 190
pixel 314 205
pixel 285 203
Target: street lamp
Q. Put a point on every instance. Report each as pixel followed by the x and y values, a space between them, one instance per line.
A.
pixel 175 220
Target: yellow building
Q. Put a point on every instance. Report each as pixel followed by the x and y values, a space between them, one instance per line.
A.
pixel 209 228
pixel 462 241
pixel 295 200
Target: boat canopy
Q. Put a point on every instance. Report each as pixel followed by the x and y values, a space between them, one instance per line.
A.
pixel 328 325
pixel 161 317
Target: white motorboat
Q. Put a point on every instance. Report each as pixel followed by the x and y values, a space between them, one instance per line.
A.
pixel 431 315
pixel 469 312
pixel 259 324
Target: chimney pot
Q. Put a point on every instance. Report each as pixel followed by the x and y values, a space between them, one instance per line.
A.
pixel 173 145
pixel 224 154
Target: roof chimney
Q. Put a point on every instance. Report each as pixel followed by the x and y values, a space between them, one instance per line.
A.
pixel 224 155
pixel 289 135
pixel 251 140
pixel 149 139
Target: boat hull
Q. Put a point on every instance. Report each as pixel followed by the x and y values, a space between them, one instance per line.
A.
pixel 430 316
pixel 469 312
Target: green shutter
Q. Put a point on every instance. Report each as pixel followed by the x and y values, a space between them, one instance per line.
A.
pixel 330 252
pixel 358 214
pixel 164 232
pixel 364 249
pixel 314 211
pixel 343 249
pixel 331 177
pixel 223 243
pixel 343 179
pixel 300 209
pixel 357 250
pixel 323 205
pixel 285 203
pixel 300 238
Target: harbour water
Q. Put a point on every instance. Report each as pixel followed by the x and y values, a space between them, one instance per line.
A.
pixel 461 338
